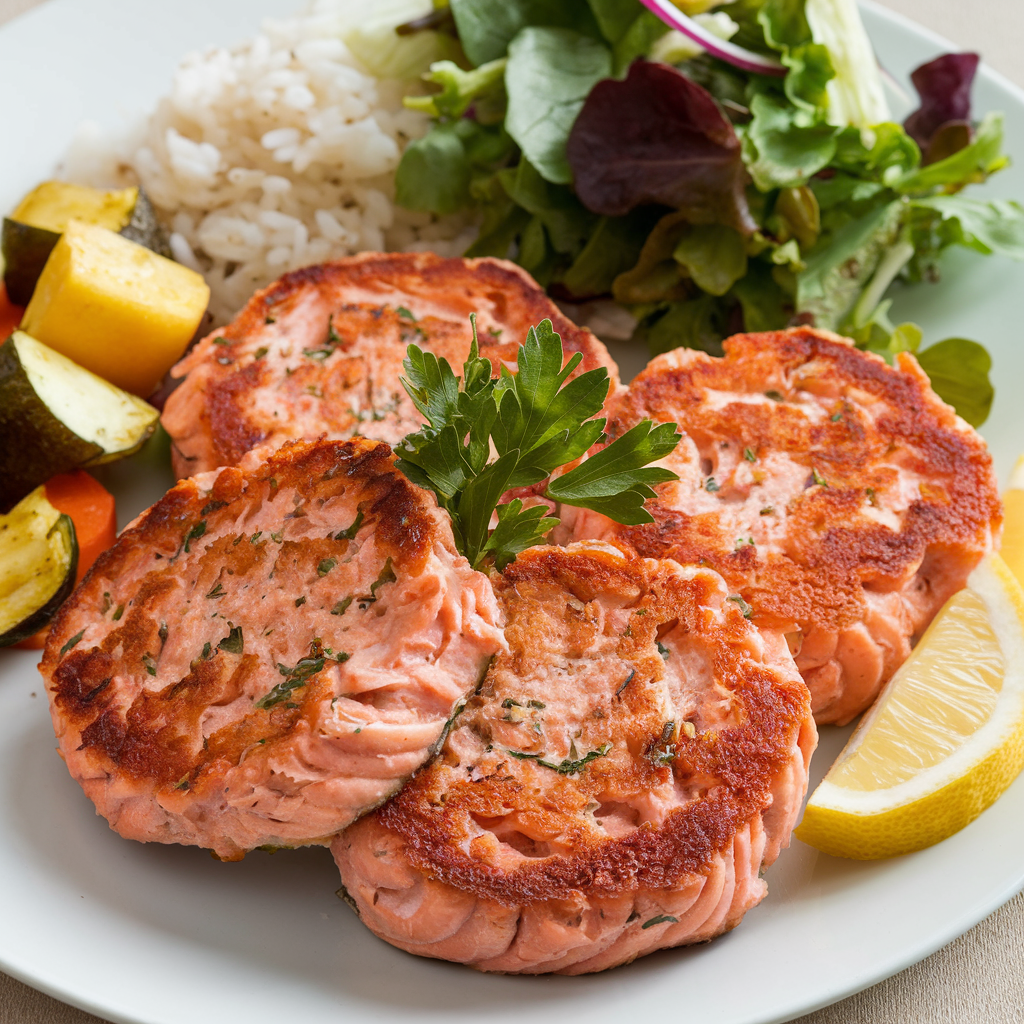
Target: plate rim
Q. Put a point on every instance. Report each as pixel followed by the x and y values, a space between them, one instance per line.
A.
pixel 868 977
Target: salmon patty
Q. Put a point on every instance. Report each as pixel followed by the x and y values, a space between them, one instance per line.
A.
pixel 267 652
pixel 320 351
pixel 616 785
pixel 839 497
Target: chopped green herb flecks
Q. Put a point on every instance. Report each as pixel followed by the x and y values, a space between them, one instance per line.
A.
pixel 405 314
pixel 182 783
pixel 342 605
pixel 660 919
pixel 255 537
pixel 207 651
pixel 710 485
pixel 333 337
pixel 626 682
pixel 350 533
pixel 221 341
pixel 775 396
pixel 268 320
pixel 217 591
pixel 819 479
pixel 750 455
pixel 743 606
pixel 326 566
pixel 105 607
pixel 663 651
pixel 195 533
pixel 278 537
pixel 294 679
pixel 569 766
pixel 162 632
pixel 212 507
pixel 387 575
pixel 319 354
pixel 260 352
pixel 150 662
pixel 870 492
pixel 299 602
pixel 538 704
pixel 234 642
pixel 836 417
pixel 73 642
pixel 510 702
pixel 118 612
pixel 767 510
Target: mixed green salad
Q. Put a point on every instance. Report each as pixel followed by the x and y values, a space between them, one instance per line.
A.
pixel 740 171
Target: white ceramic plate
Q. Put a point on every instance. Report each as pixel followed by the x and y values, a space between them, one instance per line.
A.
pixel 165 935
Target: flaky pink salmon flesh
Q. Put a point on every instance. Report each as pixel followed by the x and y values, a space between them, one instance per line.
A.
pixel 839 497
pixel 616 786
pixel 267 652
pixel 320 351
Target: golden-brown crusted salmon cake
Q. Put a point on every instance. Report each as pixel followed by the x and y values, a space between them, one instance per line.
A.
pixel 320 351
pixel 615 786
pixel 268 651
pixel 838 496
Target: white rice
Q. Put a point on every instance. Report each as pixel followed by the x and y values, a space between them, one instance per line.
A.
pixel 280 152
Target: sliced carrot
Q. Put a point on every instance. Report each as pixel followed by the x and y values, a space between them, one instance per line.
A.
pixel 91 507
pixel 10 314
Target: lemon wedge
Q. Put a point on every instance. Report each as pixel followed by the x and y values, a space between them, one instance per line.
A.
pixel 945 737
pixel 1013 524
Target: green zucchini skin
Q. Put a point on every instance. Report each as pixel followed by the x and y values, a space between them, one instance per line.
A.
pixel 36 618
pixel 25 250
pixel 145 229
pixel 35 444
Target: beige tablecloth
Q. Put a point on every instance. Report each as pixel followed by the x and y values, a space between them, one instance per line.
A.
pixel 979 978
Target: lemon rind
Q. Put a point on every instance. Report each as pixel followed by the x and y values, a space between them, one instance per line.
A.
pixel 943 799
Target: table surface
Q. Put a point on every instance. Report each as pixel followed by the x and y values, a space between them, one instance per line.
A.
pixel 977 978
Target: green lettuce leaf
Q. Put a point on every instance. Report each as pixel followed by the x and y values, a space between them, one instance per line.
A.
pixel 984 156
pixel 459 89
pixel 486 27
pixel 434 173
pixel 839 266
pixel 778 150
pixel 989 226
pixel 550 72
pixel 959 369
pixel 714 255
pixel 787 30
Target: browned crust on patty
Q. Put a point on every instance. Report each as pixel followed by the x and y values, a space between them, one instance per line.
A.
pixel 744 735
pixel 220 412
pixel 152 738
pixel 833 552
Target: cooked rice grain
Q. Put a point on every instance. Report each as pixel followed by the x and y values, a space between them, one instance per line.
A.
pixel 277 154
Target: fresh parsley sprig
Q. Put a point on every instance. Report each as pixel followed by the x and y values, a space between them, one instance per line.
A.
pixel 485 436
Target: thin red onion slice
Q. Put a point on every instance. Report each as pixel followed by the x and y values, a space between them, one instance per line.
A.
pixel 746 60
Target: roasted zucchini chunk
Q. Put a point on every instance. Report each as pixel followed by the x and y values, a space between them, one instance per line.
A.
pixel 34 228
pixel 38 561
pixel 116 308
pixel 56 416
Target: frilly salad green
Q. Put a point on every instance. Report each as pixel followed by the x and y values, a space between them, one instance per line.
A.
pixel 711 170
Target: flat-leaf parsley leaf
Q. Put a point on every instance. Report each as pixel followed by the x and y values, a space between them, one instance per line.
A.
pixel 485 436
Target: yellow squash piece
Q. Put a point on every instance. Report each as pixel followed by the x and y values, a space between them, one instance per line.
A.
pixel 115 308
pixel 944 739
pixel 54 203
